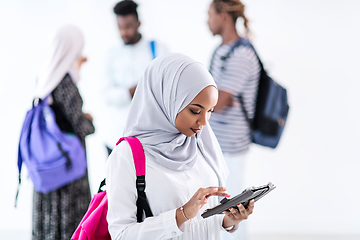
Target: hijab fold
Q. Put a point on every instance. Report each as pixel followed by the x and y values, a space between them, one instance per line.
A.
pixel 167 86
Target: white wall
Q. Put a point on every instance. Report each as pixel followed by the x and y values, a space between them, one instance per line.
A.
pixel 310 47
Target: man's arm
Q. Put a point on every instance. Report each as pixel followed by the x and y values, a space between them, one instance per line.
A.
pixel 225 100
pixel 132 91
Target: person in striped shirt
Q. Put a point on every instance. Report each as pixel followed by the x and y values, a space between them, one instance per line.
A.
pixel 239 74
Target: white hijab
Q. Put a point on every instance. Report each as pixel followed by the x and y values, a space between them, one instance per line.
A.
pixel 167 86
pixel 65 47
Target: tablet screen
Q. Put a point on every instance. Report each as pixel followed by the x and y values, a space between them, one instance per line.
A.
pixel 243 198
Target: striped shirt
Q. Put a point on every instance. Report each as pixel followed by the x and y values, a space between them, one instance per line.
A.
pixel 240 76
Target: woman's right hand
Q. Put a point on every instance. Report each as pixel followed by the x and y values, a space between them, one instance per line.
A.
pixel 78 62
pixel 198 200
pixel 88 116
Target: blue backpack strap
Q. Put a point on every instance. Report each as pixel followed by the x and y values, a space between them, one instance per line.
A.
pixel 238 43
pixel 20 161
pixel 244 42
pixel 212 58
pixel 35 103
pixel 152 46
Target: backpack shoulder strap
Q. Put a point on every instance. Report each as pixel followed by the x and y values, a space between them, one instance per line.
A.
pixel 139 161
pixel 244 42
pixel 35 102
pixel 152 46
pixel 20 161
pixel 238 43
pixel 212 58
pixel 138 154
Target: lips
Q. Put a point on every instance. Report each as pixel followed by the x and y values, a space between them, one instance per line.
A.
pixel 195 130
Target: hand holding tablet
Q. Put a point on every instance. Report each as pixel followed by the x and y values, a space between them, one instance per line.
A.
pixel 244 198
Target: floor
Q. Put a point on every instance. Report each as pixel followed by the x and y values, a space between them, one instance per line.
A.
pixel 303 237
pixel 25 235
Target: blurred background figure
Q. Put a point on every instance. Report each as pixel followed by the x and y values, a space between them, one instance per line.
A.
pixel 57 214
pixel 125 64
pixel 238 75
pixel 318 143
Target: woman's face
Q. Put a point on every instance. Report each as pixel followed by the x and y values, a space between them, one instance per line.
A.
pixel 78 62
pixel 195 116
pixel 215 20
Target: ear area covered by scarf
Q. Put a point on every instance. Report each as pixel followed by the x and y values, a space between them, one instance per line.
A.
pixel 168 85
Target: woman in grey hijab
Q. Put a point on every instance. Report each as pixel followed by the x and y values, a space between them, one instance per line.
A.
pixel 184 164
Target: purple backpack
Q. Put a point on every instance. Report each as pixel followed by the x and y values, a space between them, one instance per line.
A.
pixel 53 158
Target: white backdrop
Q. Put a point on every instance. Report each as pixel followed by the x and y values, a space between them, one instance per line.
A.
pixel 310 47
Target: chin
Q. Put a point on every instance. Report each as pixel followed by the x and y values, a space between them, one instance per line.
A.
pixel 126 41
pixel 191 134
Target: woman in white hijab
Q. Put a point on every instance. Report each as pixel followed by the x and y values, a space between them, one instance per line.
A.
pixel 57 214
pixel 184 164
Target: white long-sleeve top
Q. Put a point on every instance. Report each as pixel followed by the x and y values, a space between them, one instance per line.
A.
pixel 124 66
pixel 166 191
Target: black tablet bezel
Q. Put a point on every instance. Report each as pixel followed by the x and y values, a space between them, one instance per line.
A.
pixel 244 198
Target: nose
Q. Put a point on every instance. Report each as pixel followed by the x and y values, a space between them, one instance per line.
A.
pixel 202 120
pixel 123 32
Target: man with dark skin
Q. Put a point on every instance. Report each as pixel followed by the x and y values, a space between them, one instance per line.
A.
pixel 129 31
pixel 125 64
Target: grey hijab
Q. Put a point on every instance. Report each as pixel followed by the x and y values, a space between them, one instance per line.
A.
pixel 167 86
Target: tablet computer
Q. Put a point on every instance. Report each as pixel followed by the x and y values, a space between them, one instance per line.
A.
pixel 244 198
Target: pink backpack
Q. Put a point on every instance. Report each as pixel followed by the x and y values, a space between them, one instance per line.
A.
pixel 94 225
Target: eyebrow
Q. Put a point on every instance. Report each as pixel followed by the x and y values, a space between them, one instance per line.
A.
pixel 198 106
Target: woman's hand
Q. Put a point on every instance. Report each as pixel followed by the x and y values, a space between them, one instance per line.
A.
pixel 236 216
pixel 88 116
pixel 79 62
pixel 198 200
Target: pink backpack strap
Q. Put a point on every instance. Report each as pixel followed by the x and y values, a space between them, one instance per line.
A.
pixel 139 160
pixel 138 154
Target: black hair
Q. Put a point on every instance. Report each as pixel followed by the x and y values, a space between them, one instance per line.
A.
pixel 126 7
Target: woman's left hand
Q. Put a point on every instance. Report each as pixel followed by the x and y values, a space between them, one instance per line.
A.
pixel 236 216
